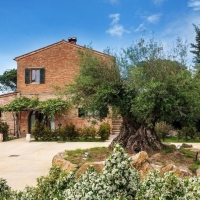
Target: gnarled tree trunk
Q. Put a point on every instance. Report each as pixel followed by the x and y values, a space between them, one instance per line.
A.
pixel 135 137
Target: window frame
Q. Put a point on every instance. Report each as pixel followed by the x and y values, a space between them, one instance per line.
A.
pixel 39 75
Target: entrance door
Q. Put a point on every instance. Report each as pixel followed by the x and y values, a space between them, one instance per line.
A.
pixel 31 120
pixel 40 117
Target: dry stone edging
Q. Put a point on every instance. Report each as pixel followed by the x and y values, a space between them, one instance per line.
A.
pixel 97 165
pixel 61 162
pixel 140 161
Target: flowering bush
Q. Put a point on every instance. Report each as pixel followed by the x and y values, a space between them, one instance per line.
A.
pixel 118 181
pixel 5 190
pixel 48 187
pixel 168 187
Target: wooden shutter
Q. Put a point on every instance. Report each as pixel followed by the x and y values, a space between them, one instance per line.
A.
pixel 27 76
pixel 42 75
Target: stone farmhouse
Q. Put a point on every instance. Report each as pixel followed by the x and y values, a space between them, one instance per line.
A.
pixel 37 73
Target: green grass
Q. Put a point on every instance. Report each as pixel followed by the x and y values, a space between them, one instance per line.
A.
pixel 193 167
pixel 94 155
pixel 68 140
pixel 188 153
pixel 168 149
pixel 181 140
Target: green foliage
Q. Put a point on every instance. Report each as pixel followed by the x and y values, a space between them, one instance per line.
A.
pixel 5 190
pixel 49 187
pixel 4 129
pixel 196 47
pixel 18 104
pixel 70 132
pixel 143 83
pixel 156 187
pixel 189 131
pixel 8 81
pixel 162 129
pixel 48 135
pixel 96 85
pixel 104 131
pixel 51 107
pixel 37 129
pixel 117 181
pixel 193 167
pixel 87 132
pixel 168 149
pixel 188 153
pixel 94 154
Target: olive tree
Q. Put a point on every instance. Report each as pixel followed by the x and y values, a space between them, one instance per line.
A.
pixel 144 85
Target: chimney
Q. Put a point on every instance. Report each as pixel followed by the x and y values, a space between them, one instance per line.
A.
pixel 72 40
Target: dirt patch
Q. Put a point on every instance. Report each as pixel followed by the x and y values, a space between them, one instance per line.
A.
pixel 177 158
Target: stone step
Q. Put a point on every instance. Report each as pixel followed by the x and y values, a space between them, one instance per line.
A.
pixel 116 124
pixel 116 127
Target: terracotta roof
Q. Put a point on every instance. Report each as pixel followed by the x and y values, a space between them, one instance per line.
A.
pixel 52 45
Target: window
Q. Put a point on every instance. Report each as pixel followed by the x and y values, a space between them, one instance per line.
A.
pixel 81 112
pixel 34 75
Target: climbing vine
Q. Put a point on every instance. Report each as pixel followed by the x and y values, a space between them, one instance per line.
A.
pixel 51 107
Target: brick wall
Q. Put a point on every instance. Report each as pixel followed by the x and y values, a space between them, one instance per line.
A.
pixel 59 61
pixel 8 117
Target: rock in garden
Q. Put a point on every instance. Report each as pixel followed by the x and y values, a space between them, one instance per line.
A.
pixel 142 164
pixel 180 172
pixel 61 162
pixel 186 145
pixel 198 171
pixel 97 165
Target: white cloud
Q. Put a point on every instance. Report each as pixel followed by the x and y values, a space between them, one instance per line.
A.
pixel 153 18
pixel 115 17
pixel 158 2
pixel 194 4
pixel 140 27
pixel 116 29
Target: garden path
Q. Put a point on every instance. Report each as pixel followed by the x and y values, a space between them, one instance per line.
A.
pixel 22 162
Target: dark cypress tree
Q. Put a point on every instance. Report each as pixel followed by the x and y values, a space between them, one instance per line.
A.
pixel 196 47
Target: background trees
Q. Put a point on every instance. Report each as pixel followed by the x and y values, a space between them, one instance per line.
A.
pixel 144 84
pixel 196 47
pixel 8 81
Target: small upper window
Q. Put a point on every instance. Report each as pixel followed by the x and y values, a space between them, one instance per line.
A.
pixel 35 75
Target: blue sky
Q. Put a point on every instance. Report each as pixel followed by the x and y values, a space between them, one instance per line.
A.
pixel 27 25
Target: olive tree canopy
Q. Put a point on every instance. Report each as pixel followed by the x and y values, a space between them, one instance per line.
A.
pixel 144 85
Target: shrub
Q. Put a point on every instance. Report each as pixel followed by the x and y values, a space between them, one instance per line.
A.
pixel 189 131
pixel 37 129
pixel 47 134
pixel 49 187
pixel 162 129
pixel 104 131
pixel 70 131
pixel 5 190
pixel 4 129
pixel 88 132
pixel 156 187
pixel 118 179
